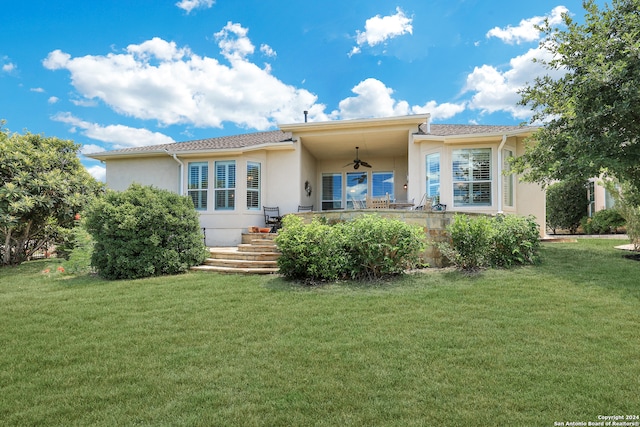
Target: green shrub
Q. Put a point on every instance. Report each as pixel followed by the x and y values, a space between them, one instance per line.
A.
pixel 380 247
pixel 606 221
pixel 79 259
pixel 515 241
pixel 314 252
pixel 567 204
pixel 368 247
pixel 143 232
pixel 627 197
pixel 500 241
pixel 470 241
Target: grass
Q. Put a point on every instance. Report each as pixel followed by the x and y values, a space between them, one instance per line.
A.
pixel 530 346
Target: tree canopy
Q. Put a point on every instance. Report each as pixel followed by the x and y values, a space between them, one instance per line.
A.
pixel 44 186
pixel 592 113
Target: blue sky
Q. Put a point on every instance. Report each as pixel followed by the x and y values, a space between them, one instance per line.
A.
pixel 121 73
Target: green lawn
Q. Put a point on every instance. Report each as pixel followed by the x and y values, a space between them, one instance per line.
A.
pixel 524 347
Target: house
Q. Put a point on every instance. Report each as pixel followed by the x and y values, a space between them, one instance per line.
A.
pixel 324 164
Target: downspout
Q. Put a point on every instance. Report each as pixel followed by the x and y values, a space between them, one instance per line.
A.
pixel 180 181
pixel 500 177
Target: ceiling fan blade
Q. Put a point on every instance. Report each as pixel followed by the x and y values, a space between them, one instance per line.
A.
pixel 365 164
pixel 356 165
pixel 348 164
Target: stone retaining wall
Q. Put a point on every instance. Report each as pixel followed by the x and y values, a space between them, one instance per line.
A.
pixel 434 225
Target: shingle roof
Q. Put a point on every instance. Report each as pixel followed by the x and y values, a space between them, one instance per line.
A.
pixel 276 136
pixel 451 130
pixel 220 143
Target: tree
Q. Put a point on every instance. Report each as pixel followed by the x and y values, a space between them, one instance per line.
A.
pixel 592 113
pixel 144 231
pixel 44 186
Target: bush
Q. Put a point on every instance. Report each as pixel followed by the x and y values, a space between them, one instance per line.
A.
pixel 500 241
pixel 606 221
pixel 368 247
pixel 516 241
pixel 144 232
pixel 314 252
pixel 79 258
pixel 470 241
pixel 567 204
pixel 379 247
pixel 627 197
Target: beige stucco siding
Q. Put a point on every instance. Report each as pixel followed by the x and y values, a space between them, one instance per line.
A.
pixel 161 172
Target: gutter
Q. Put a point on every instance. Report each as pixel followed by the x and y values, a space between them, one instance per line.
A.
pixel 180 180
pixel 500 176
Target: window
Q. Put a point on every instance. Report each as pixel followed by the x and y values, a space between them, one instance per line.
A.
pixel 225 191
pixel 253 186
pixel 331 191
pixel 433 175
pixel 356 187
pixel 507 179
pixel 381 184
pixel 472 177
pixel 198 184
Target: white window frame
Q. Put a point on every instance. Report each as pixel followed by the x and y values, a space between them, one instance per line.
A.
pixel 335 201
pixel 386 186
pixel 477 180
pixel 254 173
pixel 225 185
pixel 198 184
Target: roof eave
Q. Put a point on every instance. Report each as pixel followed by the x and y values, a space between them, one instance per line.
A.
pixel 466 138
pixel 412 120
pixel 277 146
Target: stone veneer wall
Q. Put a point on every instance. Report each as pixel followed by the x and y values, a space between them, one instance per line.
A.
pixel 434 225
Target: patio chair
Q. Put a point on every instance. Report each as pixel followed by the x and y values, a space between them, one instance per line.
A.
pixel 358 204
pixel 302 208
pixel 378 202
pixel 272 218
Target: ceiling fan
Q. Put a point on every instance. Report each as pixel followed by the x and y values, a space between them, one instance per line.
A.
pixel 357 162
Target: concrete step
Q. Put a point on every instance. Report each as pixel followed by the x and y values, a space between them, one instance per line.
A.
pixel 257 254
pixel 257 248
pixel 243 255
pixel 237 263
pixel 248 237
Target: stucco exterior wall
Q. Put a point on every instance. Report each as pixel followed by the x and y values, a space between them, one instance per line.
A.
pixel 161 172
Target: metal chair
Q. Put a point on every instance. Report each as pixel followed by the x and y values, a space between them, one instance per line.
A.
pixel 302 208
pixel 272 218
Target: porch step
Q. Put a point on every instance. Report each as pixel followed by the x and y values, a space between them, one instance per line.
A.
pixel 257 254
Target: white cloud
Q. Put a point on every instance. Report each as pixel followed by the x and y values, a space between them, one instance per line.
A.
pixel 98 172
pixel 440 111
pixel 158 80
pixel 374 99
pixel 382 28
pixel 496 90
pixel 233 42
pixel 189 5
pixel 91 148
pixel 53 99
pixel 84 102
pixel 37 89
pixel 9 67
pixel 267 50
pixel 527 31
pixel 118 135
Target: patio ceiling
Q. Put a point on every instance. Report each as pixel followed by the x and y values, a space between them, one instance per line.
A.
pixel 343 145
pixel 338 139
